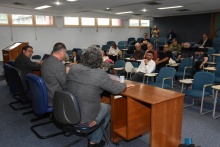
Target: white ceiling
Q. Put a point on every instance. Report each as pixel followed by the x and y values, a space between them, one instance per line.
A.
pixel 95 8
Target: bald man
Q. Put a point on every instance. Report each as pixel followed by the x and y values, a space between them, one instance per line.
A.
pixel 139 53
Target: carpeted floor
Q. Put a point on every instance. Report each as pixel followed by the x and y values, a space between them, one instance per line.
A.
pixel 15 128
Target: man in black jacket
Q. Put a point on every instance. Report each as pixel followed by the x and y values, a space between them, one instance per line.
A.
pixel 205 41
pixel 24 63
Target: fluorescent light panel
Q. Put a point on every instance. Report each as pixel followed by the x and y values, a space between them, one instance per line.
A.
pixel 42 7
pixel 124 12
pixel 173 7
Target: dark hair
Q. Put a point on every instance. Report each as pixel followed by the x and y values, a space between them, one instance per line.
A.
pixel 104 52
pixel 92 57
pixel 58 47
pixel 74 50
pixel 146 33
pixel 114 45
pixel 26 47
pixel 151 52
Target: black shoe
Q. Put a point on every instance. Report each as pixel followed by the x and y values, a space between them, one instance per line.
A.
pixel 100 144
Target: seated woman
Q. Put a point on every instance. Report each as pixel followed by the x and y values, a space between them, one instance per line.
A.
pixel 75 59
pixel 201 58
pixel 114 51
pixel 107 63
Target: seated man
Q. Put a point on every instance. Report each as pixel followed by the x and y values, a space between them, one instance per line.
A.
pixel 53 71
pixel 139 53
pixel 147 66
pixel 86 82
pixel 205 41
pixel 170 36
pixel 184 54
pixel 163 58
pixel 75 59
pixel 24 63
pixel 175 47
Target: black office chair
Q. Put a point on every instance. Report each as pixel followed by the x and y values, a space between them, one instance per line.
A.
pixel 67 112
pixel 23 90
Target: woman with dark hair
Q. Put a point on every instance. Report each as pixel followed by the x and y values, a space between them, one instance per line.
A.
pixel 115 51
pixel 86 82
pixel 75 58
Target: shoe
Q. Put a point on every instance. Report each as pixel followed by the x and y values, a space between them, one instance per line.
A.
pixel 100 144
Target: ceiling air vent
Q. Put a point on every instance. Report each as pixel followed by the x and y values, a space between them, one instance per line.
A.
pixel 183 10
pixel 152 3
pixel 20 4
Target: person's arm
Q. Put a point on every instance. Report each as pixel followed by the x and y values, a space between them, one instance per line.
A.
pixel 32 65
pixel 61 75
pixel 150 66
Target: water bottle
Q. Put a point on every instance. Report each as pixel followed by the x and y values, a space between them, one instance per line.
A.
pixel 187 141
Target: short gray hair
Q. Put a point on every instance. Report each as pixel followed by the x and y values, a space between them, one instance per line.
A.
pixel 92 57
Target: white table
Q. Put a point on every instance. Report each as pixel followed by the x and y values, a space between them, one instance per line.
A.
pixel 212 69
pixel 211 63
pixel 174 64
pixel 185 81
pixel 149 75
pixel 216 89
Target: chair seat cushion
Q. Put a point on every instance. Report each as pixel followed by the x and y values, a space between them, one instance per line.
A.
pixel 160 85
pixel 195 93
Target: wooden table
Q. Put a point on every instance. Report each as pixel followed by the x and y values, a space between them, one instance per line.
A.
pixel 145 108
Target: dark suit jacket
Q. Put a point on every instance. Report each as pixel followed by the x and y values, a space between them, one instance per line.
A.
pixel 24 63
pixel 208 43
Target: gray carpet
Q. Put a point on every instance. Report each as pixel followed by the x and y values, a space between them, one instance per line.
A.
pixel 15 128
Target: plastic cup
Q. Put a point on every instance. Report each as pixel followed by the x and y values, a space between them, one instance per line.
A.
pixel 188 141
pixel 122 79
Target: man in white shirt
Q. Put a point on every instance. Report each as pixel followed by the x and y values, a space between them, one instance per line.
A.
pixel 147 66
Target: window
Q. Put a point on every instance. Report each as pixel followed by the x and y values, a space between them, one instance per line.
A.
pixel 22 19
pixel 117 23
pixel 44 20
pixel 103 21
pixel 134 23
pixel 71 21
pixel 145 23
pixel 3 18
pixel 85 21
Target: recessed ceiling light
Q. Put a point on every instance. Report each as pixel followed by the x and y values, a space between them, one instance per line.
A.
pixel 144 10
pixel 42 7
pixel 71 0
pixel 107 8
pixel 57 3
pixel 173 7
pixel 124 12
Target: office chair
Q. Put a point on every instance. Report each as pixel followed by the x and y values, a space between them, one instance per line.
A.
pixel 69 52
pixel 23 90
pixel 201 88
pixel 40 102
pixel 37 57
pixel 129 68
pixel 165 78
pixel 140 40
pixel 106 47
pixel 119 66
pixel 185 68
pixel 67 112
pixel 110 42
pixel 217 73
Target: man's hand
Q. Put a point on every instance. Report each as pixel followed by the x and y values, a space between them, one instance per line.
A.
pixel 130 85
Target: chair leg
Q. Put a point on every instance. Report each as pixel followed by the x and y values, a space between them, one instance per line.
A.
pixel 105 136
pixel 44 137
pixel 18 108
pixel 202 108
pixel 214 107
pixel 189 104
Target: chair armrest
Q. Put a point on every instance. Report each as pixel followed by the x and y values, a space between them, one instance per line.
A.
pixel 184 73
pixel 167 78
pixel 204 87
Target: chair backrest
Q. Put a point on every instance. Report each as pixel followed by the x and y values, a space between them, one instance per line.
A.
pixel 164 73
pixel 131 39
pixel 152 40
pixel 69 52
pixel 162 40
pixel 217 72
pixel 66 108
pixel 184 63
pixel 38 93
pixel 36 57
pixel 216 44
pixel 128 67
pixel 106 47
pixel 140 40
pixel 119 63
pixel 10 78
pixel 211 51
pixel 11 62
pixel 135 64
pixel 109 42
pixel 79 51
pixel 217 60
pixel 202 78
pixel 21 82
pixel 122 44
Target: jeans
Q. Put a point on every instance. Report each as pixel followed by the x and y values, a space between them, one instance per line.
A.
pixel 96 136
